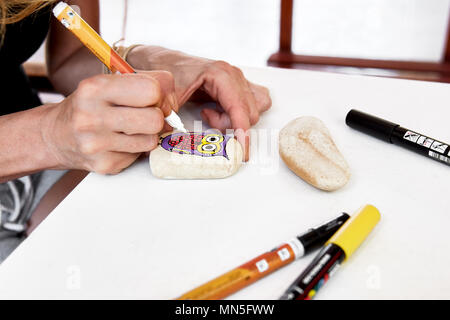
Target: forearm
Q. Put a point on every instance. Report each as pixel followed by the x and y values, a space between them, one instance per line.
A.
pixel 22 148
pixel 81 65
pixel 159 58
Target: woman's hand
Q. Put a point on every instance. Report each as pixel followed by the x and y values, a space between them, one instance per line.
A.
pixel 242 102
pixel 107 122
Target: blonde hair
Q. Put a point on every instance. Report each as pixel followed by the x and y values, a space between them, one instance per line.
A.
pixel 12 11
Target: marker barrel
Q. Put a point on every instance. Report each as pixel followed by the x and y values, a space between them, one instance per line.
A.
pixel 421 144
pixel 394 133
pixel 91 39
pixel 316 274
pixel 244 275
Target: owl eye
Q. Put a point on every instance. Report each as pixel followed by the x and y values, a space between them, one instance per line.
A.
pixel 209 147
pixel 212 139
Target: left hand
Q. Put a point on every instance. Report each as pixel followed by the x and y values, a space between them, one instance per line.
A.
pixel 241 100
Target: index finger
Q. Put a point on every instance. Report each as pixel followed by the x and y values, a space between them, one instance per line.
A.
pixel 131 90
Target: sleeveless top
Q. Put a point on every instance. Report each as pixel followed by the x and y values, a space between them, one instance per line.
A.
pixel 21 41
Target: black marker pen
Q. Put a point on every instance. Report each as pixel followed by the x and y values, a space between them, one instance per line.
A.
pixel 393 133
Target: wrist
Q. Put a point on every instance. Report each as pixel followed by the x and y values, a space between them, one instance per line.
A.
pixel 23 149
pixel 159 58
pixel 144 57
pixel 46 125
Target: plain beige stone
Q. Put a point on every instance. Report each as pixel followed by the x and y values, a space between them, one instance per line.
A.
pixel 166 164
pixel 308 149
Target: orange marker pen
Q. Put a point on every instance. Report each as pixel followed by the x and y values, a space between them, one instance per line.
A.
pixel 266 263
pixel 92 40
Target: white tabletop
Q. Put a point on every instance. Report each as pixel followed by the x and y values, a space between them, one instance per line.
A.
pixel 134 236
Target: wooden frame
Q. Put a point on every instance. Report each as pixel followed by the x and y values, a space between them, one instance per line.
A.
pixel 405 69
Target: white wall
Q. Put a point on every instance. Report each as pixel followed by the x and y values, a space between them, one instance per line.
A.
pixel 383 29
pixel 240 31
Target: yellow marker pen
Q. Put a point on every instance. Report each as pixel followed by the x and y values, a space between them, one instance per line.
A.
pixel 92 40
pixel 337 249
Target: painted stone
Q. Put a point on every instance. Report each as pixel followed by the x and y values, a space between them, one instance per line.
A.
pixel 201 155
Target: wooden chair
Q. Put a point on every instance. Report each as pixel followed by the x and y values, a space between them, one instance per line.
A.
pixel 285 58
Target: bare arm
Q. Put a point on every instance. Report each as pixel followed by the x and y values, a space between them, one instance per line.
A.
pixel 103 126
pixel 23 150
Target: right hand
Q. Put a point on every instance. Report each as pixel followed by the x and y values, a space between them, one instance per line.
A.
pixel 106 123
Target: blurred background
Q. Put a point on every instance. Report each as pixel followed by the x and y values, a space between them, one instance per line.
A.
pixel 247 33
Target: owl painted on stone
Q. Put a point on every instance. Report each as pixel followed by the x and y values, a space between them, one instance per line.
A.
pixel 200 144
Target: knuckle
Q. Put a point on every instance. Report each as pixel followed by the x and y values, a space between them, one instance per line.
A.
pixel 152 142
pixel 220 64
pixel 116 171
pixel 90 87
pixel 84 121
pixel 237 71
pixel 156 120
pixel 219 67
pixel 79 100
pixel 90 146
pixel 104 166
pixel 152 88
pixel 159 121
pixel 254 118
pixel 267 104
pixel 266 100
pixel 167 76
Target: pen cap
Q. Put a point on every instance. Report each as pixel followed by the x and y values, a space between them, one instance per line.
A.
pixel 315 238
pixel 371 125
pixel 350 236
